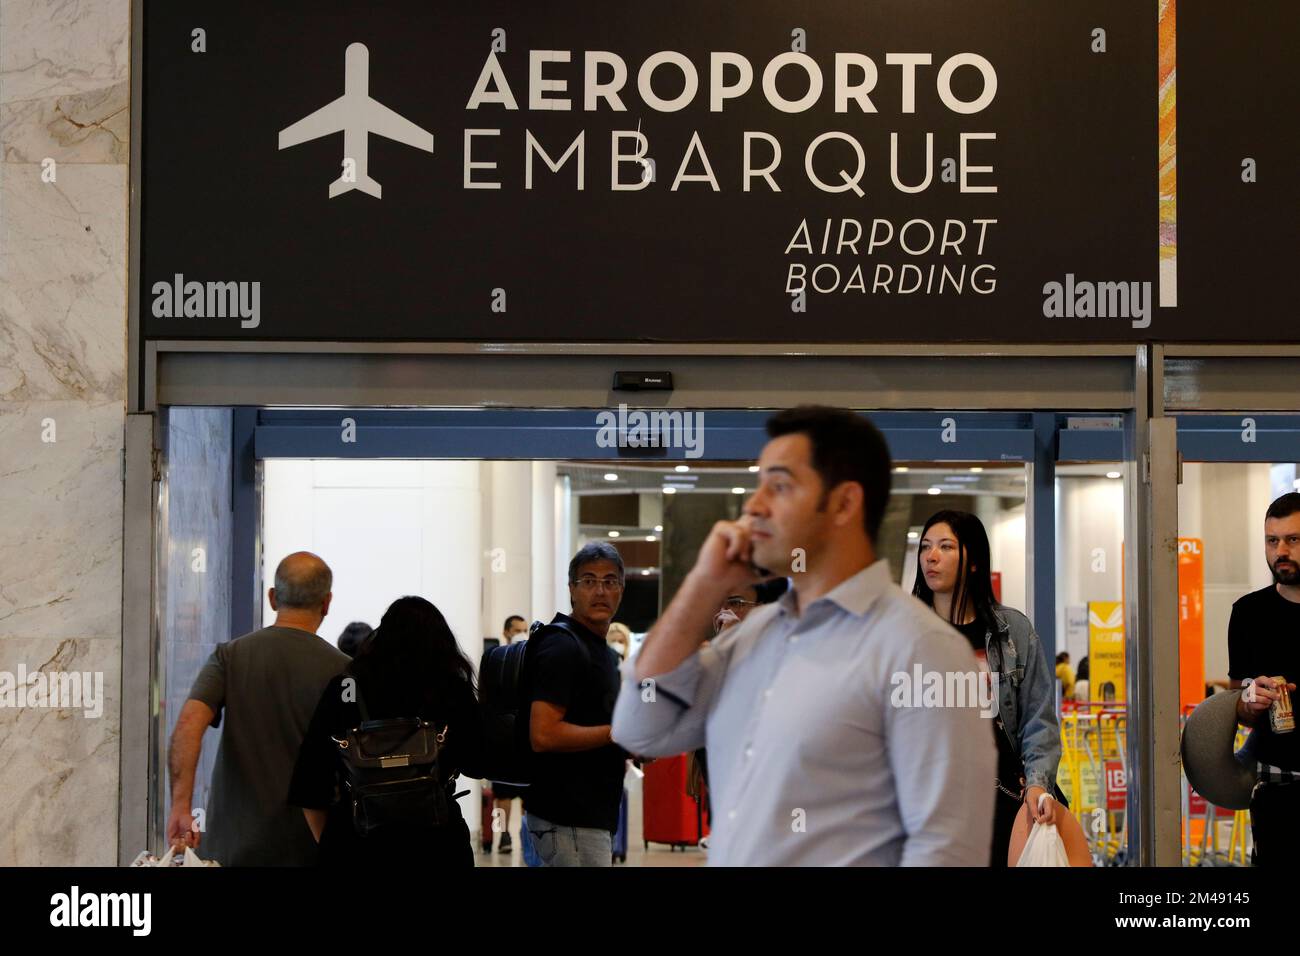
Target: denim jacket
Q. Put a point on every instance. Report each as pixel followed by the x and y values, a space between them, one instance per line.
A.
pixel 1026 696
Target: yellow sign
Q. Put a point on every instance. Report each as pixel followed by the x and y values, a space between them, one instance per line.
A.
pixel 1106 650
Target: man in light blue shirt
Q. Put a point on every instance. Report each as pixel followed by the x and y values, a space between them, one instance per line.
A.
pixel 820 751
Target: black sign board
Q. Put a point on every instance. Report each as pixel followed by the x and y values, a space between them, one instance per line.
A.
pixel 900 170
pixel 1238 184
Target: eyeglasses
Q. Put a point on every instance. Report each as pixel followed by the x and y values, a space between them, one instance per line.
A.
pixel 588 582
pixel 738 602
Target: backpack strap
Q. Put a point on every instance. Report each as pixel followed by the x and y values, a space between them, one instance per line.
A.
pixel 560 625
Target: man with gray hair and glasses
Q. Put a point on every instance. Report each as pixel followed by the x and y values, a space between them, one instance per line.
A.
pixel 570 681
pixel 267 684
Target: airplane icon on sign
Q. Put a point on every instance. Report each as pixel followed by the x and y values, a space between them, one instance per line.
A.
pixel 357 115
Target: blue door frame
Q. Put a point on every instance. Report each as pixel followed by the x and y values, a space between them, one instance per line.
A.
pixel 1040 438
pixel 1243 438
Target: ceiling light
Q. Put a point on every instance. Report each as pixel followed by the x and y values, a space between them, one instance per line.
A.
pixel 900 469
pixel 913 535
pixel 613 534
pixel 1112 474
pixel 753 469
pixel 651 537
pixel 976 469
pixel 682 468
pixel 659 527
pixel 610 476
pixel 737 491
pixel 669 490
pixel 934 491
pixel 645 570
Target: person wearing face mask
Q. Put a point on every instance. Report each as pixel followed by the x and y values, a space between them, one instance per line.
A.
pixel 746 598
pixel 953 577
pixel 619 640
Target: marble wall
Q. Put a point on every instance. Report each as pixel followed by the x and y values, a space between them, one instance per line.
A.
pixel 64 121
pixel 196 592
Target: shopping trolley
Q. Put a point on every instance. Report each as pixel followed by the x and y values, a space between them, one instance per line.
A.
pixel 1094 774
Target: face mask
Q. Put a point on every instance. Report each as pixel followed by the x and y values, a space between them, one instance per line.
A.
pixel 724 619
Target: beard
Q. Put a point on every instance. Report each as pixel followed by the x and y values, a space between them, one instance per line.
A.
pixel 1287 575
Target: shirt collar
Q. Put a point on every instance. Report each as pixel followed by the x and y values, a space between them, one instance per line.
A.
pixel 854 594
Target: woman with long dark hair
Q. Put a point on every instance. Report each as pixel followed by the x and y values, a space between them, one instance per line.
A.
pixel 411 667
pixel 953 577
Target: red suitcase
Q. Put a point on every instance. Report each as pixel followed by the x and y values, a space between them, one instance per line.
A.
pixel 668 814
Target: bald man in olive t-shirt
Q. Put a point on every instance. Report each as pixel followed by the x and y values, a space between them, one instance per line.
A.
pixel 266 685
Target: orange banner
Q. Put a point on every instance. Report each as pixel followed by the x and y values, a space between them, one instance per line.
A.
pixel 1191 621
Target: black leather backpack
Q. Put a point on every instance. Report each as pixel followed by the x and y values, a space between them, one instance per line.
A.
pixel 391 773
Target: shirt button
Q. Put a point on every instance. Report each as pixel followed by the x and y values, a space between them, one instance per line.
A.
pixel 767 693
pixel 749 752
pixel 731 814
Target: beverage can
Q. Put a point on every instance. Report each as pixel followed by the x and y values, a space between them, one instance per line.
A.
pixel 1280 717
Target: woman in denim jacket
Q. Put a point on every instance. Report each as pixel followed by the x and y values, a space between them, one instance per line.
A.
pixel 953 577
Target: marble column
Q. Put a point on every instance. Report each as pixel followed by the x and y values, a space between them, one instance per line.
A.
pixel 507 543
pixel 64 124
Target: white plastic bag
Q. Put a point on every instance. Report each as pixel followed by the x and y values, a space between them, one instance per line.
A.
pixel 1044 847
pixel 169 859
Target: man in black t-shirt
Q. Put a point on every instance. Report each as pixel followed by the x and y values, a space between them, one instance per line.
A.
pixel 571 807
pixel 1264 643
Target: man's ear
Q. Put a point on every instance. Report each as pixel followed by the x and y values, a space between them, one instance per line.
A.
pixel 325 607
pixel 270 596
pixel 849 503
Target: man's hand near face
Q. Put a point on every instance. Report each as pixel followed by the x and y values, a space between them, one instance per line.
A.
pixel 722 567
